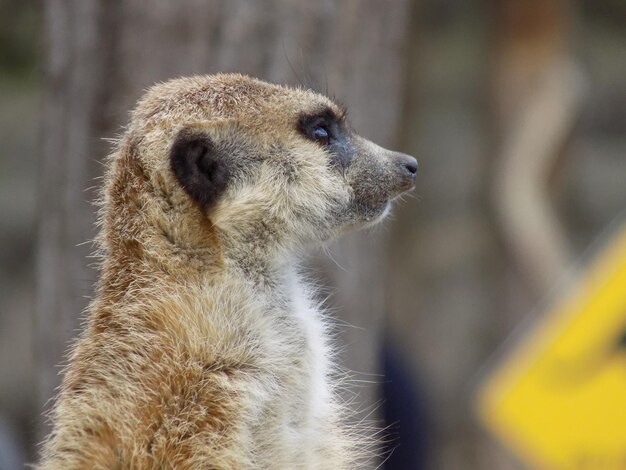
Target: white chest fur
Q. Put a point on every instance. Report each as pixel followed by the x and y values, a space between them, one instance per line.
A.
pixel 317 353
pixel 305 405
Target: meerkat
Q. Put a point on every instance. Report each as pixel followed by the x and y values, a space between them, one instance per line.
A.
pixel 204 347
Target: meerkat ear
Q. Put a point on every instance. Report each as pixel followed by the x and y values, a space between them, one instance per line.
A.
pixel 199 166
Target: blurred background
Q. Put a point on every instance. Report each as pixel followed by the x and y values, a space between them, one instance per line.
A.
pixel 515 109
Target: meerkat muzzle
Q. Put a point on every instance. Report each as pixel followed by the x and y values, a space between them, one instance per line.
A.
pixel 405 169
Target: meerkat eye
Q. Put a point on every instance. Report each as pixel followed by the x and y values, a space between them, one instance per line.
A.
pixel 321 134
pixel 322 127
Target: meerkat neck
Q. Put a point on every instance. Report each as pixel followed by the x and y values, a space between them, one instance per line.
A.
pixel 136 265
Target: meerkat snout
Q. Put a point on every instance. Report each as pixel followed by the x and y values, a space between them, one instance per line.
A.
pixel 406 168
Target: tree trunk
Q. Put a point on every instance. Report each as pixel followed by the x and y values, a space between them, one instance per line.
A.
pixel 102 55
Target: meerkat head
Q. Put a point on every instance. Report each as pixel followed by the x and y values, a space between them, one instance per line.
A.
pixel 264 163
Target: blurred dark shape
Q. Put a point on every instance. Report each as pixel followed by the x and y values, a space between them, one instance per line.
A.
pixel 406 417
pixel 11 457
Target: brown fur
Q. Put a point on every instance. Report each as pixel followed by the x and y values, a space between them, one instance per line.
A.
pixel 203 347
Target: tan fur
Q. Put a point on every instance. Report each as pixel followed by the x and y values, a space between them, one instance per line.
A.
pixel 203 346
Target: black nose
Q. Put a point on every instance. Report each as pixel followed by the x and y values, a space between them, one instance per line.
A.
pixel 412 165
pixel 409 163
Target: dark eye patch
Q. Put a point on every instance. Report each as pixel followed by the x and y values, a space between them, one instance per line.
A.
pixel 331 132
pixel 323 127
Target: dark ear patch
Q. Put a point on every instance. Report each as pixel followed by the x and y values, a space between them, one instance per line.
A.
pixel 199 168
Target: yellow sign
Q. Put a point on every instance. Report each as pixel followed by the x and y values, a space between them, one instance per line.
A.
pixel 559 400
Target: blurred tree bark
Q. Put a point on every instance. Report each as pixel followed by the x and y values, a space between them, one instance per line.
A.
pixel 101 55
pixel 537 94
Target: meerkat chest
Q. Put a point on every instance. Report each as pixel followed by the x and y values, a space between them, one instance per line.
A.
pixel 304 366
pixel 315 353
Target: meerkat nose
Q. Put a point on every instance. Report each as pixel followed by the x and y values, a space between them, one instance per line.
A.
pixel 408 162
pixel 411 165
